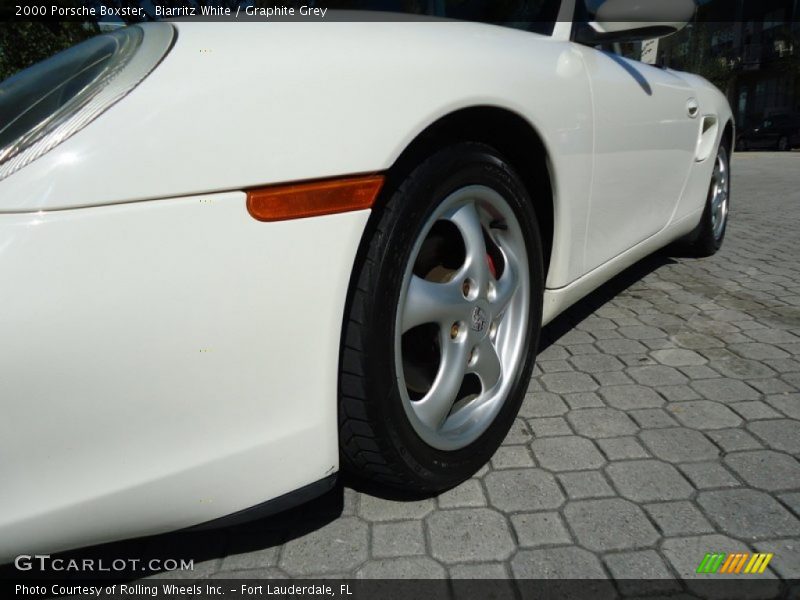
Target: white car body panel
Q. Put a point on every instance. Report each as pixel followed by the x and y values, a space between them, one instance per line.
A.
pixel 320 111
pixel 152 318
pixel 168 358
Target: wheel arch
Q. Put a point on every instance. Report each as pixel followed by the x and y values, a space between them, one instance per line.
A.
pixel 511 135
pixel 727 136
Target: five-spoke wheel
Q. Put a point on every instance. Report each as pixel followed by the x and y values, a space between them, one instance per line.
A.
pixel 442 321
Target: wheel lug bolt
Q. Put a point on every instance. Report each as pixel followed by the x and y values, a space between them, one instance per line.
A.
pixel 454 330
pixel 466 288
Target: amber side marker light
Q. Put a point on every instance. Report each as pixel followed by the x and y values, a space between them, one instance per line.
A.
pixel 302 200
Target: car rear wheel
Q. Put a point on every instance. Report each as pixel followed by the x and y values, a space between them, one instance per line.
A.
pixel 710 233
pixel 442 322
pixel 783 144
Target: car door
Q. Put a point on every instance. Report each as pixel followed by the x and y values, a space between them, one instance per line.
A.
pixel 646 131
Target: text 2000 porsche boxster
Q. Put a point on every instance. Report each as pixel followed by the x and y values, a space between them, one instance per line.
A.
pixel 235 257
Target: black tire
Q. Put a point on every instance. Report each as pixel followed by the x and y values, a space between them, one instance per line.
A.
pixel 377 440
pixel 783 144
pixel 704 241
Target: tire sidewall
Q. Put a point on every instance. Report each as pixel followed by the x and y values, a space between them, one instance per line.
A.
pixel 432 183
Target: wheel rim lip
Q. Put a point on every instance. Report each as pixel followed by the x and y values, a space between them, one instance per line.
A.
pixel 720 194
pixel 471 421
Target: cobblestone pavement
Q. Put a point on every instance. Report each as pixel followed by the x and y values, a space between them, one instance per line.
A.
pixel 663 422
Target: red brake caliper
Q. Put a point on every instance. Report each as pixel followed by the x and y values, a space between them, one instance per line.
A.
pixel 492 268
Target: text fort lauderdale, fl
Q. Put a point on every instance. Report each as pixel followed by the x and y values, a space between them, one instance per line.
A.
pixel 250 11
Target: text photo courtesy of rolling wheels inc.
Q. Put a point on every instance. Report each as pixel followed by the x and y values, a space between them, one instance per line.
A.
pixel 377 299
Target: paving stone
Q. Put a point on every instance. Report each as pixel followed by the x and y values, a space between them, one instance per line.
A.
pixel 252 551
pixel 740 368
pixel 622 448
pixel 568 453
pixel 468 494
pixel 755 410
pixel 652 418
pixel 731 440
pixel 793 379
pixel 758 351
pixel 512 457
pixel 628 397
pixel 748 514
pixel 565 383
pixel 518 434
pixel 549 427
pixel 620 347
pixel 780 435
pixel 585 484
pixel 699 372
pixel 542 404
pixel 648 480
pixel 613 378
pixel 611 524
pixel 679 445
pixel 678 518
pixel 709 475
pixel 657 375
pixel 725 390
pixel 678 357
pixel 596 363
pixel 552 352
pixel 638 360
pixel 540 529
pixel 469 535
pixel 697 341
pixel 677 393
pixel 523 490
pixel 596 323
pixel 407 568
pixel 773 336
pixel 554 366
pixel 582 349
pixel 641 572
pixel 792 501
pixel 373 508
pixel 786 559
pixel 771 386
pixel 765 469
pixel 575 337
pixel 601 422
pixel 704 414
pixel 788 404
pixel 583 400
pixel 479 571
pixel 641 332
pixel 567 563
pixel 338 546
pixel 398 539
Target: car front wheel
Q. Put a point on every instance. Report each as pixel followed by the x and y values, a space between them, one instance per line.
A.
pixel 442 322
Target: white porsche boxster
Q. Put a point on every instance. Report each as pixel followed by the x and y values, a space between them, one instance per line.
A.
pixel 237 257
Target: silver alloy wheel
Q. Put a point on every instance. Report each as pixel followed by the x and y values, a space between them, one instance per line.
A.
pixel 720 192
pixel 462 318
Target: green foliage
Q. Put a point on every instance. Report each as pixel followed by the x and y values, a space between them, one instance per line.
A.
pixel 24 43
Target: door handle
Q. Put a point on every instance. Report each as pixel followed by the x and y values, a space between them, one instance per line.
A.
pixel 692 107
